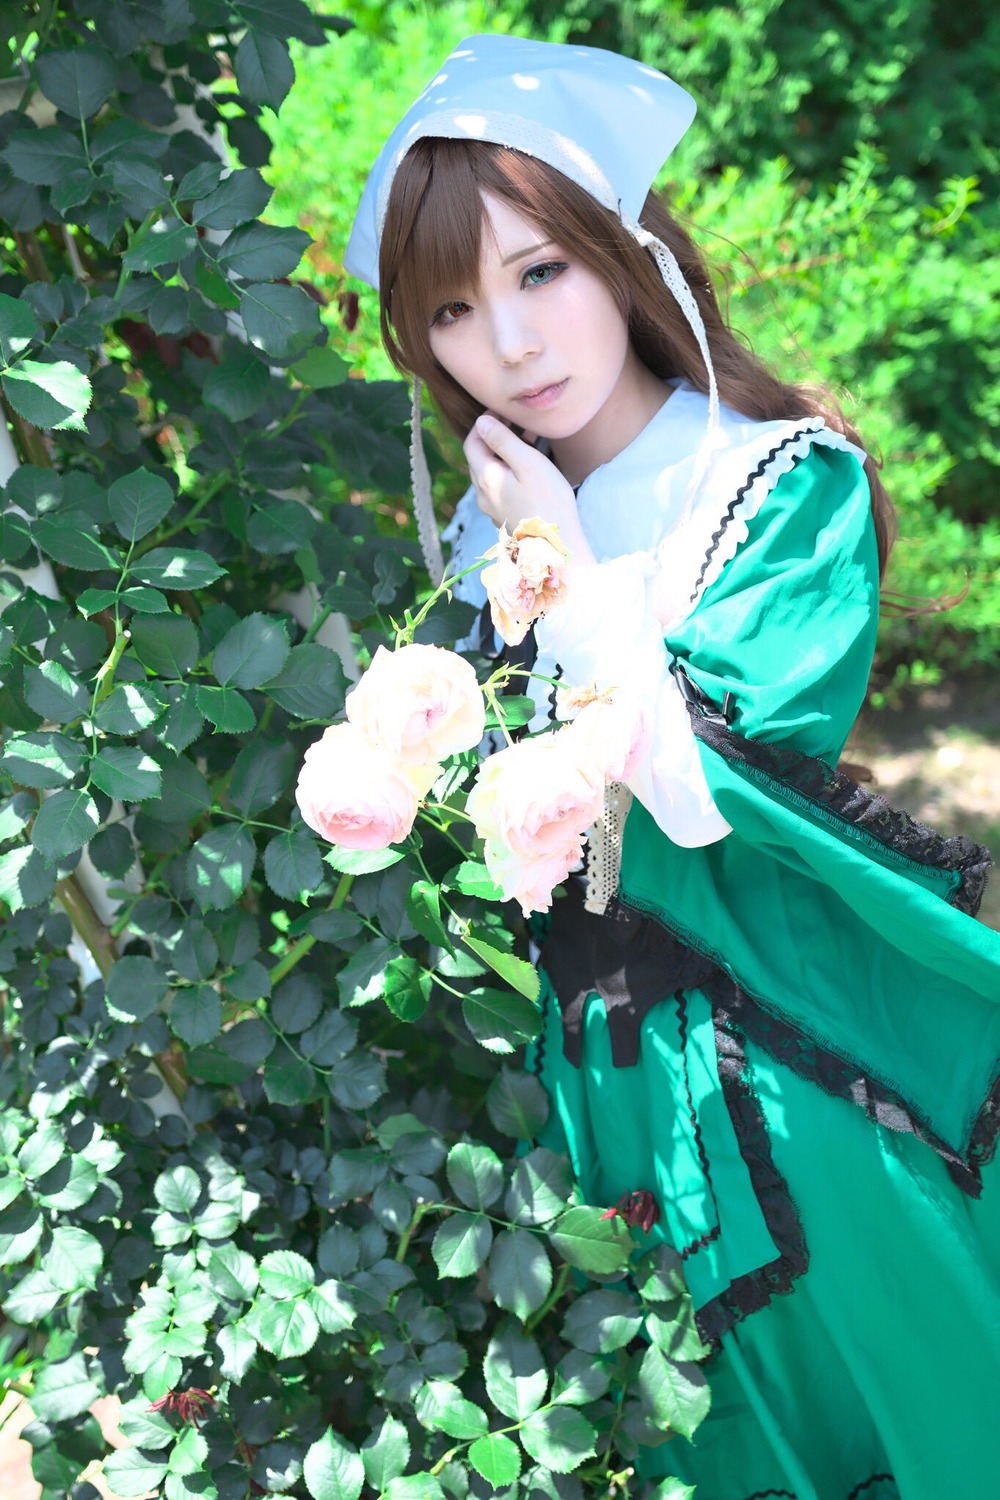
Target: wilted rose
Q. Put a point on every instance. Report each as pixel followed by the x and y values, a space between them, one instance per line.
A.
pixel 354 794
pixel 532 805
pixel 419 704
pixel 527 579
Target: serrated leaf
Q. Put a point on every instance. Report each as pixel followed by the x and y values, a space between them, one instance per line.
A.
pixel 311 684
pixel 226 708
pixel 52 692
pixel 321 368
pixel 173 568
pixel 54 394
pixel 475 1174
pixel 196 1015
pixel 332 1468
pixel 166 644
pixel 281 321
pixel 133 1472
pixel 63 1390
pixel 135 987
pixel 240 197
pixel 284 1274
pixel 125 772
pixel 239 386
pixel 79 81
pixel 677 1396
pixel 362 861
pixel 129 708
pixel 164 243
pixel 500 1020
pixel 385 1453
pixel 496 1458
pixel 73 1260
pixel 239 1349
pixel 461 1244
pixel 441 1407
pixel 264 71
pixel 263 252
pixel 253 652
pixel 515 1374
pixel 261 774
pixel 520 975
pixel 585 1239
pixel 18 327
pixel 45 760
pixel 25 878
pixel 286 1329
pixel 293 865
pixel 539 1188
pixel 423 907
pixel 559 1438
pixel 407 988
pixel 580 1379
pixel 517 1104
pixel 602 1321
pixel 44 157
pixel 65 822
pixel 71 538
pixel 219 867
pixel 138 502
pixel 520 1272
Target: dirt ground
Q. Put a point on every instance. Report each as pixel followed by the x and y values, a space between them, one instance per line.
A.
pixel 937 757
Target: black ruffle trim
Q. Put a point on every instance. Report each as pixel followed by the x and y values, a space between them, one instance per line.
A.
pixel 836 793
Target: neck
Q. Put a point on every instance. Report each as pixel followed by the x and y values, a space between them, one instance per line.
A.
pixel 634 403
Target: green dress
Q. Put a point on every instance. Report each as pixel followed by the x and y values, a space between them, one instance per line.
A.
pixel 804 1070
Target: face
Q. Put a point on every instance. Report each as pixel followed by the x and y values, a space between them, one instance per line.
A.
pixel 542 343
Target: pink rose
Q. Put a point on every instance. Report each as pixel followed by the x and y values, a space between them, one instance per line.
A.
pixel 354 794
pixel 613 730
pixel 532 805
pixel 528 578
pixel 419 704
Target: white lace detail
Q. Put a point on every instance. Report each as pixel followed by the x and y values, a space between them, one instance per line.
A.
pixel 604 852
pixel 423 500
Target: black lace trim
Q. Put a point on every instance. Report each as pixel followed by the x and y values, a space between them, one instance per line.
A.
pixel 836 793
pixel 748 1294
pixel 866 1484
pixel 737 501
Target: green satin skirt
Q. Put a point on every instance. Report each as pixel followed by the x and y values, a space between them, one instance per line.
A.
pixel 876 1373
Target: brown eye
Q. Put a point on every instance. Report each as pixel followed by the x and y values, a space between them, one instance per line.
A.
pixel 449 312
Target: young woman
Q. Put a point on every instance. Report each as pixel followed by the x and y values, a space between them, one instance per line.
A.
pixel 767 1005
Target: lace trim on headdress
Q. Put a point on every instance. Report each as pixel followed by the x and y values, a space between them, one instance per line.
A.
pixel 604 851
pixel 423 500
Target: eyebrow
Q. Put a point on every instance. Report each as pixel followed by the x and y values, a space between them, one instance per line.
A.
pixel 520 254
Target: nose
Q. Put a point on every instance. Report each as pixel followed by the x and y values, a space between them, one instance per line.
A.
pixel 515 337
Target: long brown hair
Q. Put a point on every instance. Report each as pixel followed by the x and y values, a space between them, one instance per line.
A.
pixel 431 246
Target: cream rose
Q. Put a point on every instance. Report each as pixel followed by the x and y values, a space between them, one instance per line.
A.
pixel 419 704
pixel 353 794
pixel 611 730
pixel 527 579
pixel 532 805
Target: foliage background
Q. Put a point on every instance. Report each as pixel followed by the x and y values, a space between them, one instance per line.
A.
pixel 265 1147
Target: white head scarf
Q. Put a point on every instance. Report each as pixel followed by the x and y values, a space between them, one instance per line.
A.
pixel 606 122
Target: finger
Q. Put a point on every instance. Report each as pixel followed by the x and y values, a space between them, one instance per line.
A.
pixel 504 443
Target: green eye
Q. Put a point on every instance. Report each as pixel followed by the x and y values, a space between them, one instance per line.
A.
pixel 539 275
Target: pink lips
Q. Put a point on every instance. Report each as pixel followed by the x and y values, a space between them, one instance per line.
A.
pixel 543 396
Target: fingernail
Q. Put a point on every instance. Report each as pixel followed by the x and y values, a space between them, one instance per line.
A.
pixel 485 424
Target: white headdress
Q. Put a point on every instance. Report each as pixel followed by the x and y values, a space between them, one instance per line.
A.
pixel 605 121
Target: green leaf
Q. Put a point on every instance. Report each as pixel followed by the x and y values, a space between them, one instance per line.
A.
pixel 461 1244
pixel 520 975
pixel 263 252
pixel 321 368
pixel 264 71
pixel 407 988
pixel 138 502
pixel 53 395
pixel 559 1438
pixel 441 1407
pixel 515 710
pixel 188 1456
pixel 677 1396
pixel 46 760
pixel 18 326
pixel 170 568
pixel 70 537
pixel 44 157
pixel 517 1104
pixel 499 1020
pixel 423 907
pixel 69 1185
pixel 540 1187
pixel 293 865
pixel 25 879
pixel 65 822
pixel 63 1390
pixel 182 723
pixel 78 81
pixel 281 321
pixel 496 1458
pixel 227 709
pixel 261 774
pixel 362 861
pixel 672 1489
pixel 311 684
pixel 362 979
pixel 129 708
pixel 475 1174
pixel 239 1349
pixel 589 1242
pixel 219 867
pixel 580 1379
pixel 215 287
pixel 602 1321
pixel 385 1453
pixel 515 1374
pixel 333 1469
pixel 164 243
pixel 289 1080
pixel 73 1260
pixel 196 1015
pixel 280 527
pixel 126 772
pixel 241 196
pixel 92 601
pixel 251 653
pixel 144 601
pixel 166 644
pixel 41 1151
pixel 285 1274
pixel 520 1272
pixel 135 987
pixel 286 1329
pixel 673 1329
pixel 16 813
pixel 132 1472
pixel 53 693
pixel 239 386
pixel 332 1303
pixel 178 1188
pixel 15 537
